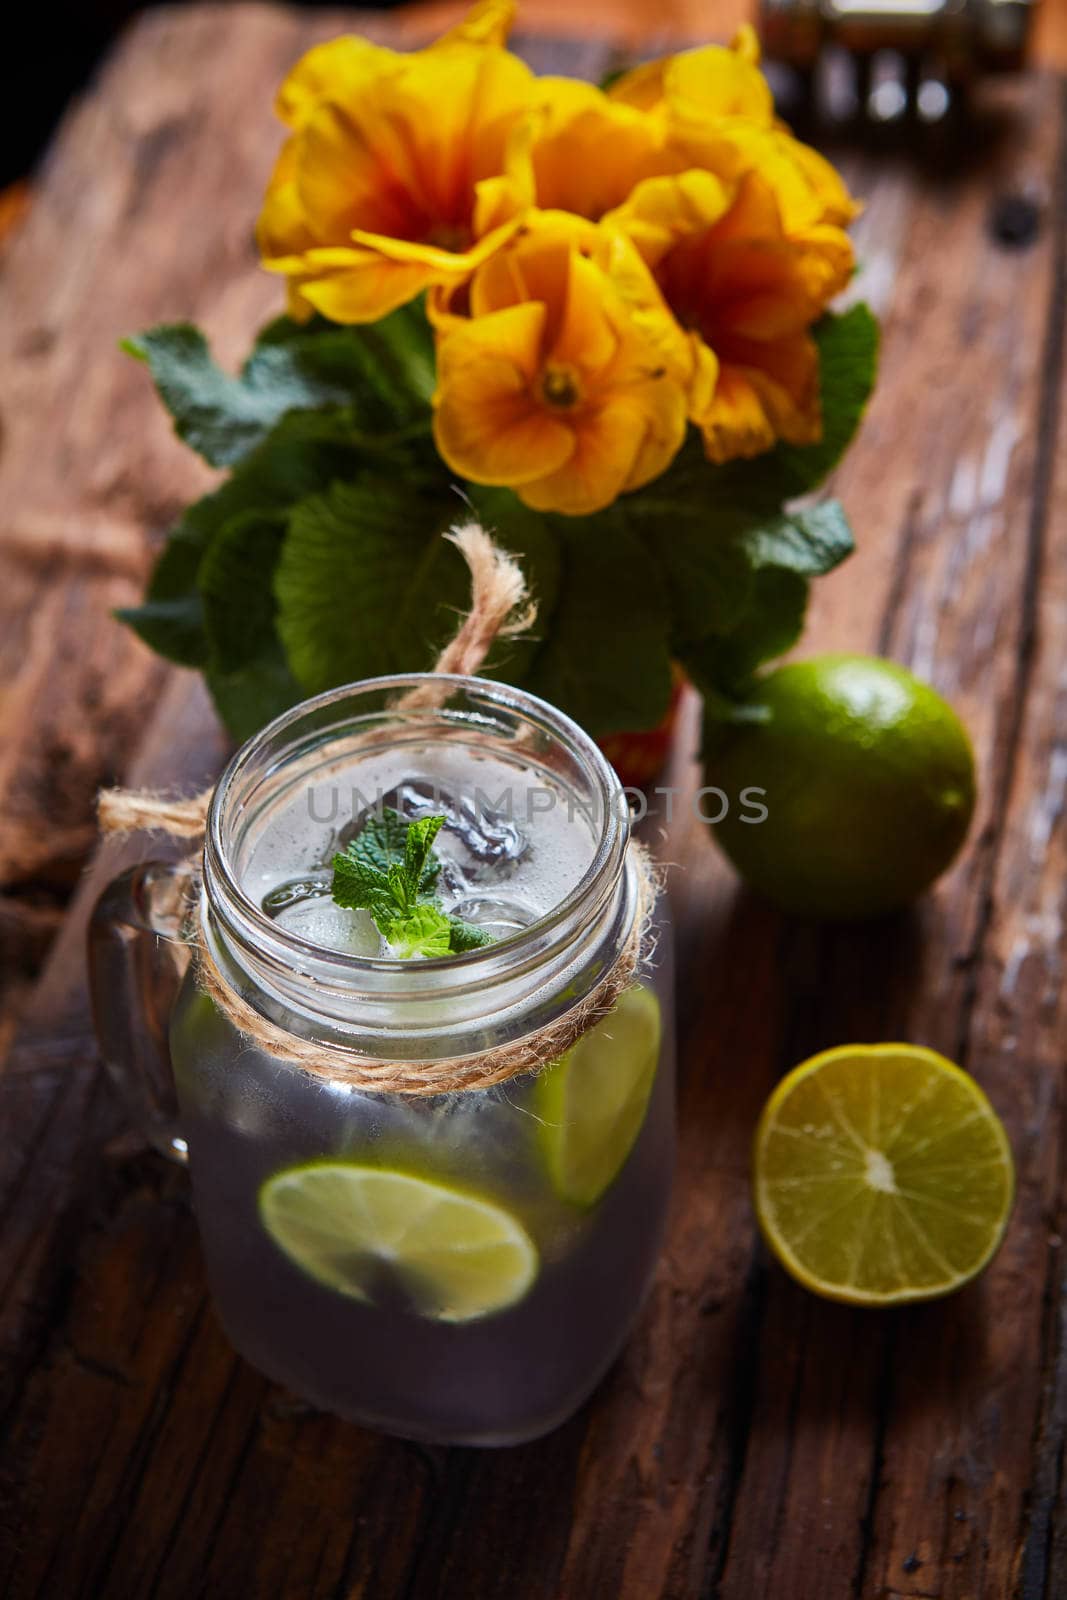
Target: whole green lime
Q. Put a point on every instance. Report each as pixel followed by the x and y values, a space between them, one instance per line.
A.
pixel 868 780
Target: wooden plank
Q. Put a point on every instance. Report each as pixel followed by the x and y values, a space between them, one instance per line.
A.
pixel 752 1440
pixel 930 1478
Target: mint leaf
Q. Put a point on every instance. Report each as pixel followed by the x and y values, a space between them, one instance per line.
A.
pixel 358 887
pixel 379 842
pixel 424 931
pixel 421 868
pixel 389 869
pixel 465 936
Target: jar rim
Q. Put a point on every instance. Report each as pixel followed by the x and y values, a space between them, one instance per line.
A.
pixel 242 916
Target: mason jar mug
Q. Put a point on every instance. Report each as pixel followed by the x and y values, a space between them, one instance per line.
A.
pixel 408 1216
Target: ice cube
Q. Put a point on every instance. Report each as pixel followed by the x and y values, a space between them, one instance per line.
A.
pixel 491 844
pixel 332 927
pixel 497 916
pixel 296 891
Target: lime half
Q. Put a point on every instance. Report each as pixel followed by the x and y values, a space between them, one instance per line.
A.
pixel 593 1100
pixel 371 1234
pixel 882 1175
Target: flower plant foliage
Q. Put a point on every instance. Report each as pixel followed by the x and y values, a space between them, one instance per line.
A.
pixel 600 317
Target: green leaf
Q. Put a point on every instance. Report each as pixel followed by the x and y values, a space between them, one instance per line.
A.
pixel 848 364
pixel 236 584
pixel 222 417
pixel 534 539
pixel 254 695
pixel 381 375
pixel 810 541
pixel 722 664
pixel 420 869
pixel 389 859
pixel 248 674
pixel 366 585
pixel 359 887
pixel 379 843
pixel 605 659
pixel 170 619
pixel 424 931
pixel 389 869
pixel 306 452
pixel 465 936
pixel 388 363
pixel 706 569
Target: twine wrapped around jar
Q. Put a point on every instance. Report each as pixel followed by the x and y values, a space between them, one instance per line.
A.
pixel 499 607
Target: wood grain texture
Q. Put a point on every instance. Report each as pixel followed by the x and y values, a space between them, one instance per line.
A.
pixel 752 1441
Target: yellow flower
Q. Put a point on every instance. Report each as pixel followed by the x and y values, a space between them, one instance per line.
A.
pixel 718 113
pixel 708 84
pixel 397 171
pixel 586 153
pixel 748 291
pixel 709 108
pixel 567 379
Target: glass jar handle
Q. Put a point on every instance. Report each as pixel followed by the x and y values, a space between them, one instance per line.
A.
pixel 137 959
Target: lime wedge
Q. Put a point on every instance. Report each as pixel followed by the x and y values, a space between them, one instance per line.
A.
pixel 882 1175
pixel 370 1234
pixel 593 1100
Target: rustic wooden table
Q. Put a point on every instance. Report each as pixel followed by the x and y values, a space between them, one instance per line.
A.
pixel 753 1441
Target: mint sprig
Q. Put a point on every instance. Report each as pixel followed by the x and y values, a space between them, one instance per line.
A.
pixel 390 870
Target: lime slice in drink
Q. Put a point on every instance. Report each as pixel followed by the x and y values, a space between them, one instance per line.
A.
pixel 593 1100
pixel 373 1234
pixel 882 1175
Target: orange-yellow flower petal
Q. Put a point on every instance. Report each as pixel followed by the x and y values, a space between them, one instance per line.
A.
pixel 765 392
pixel 335 70
pixel 587 151
pixel 709 110
pixel 487 22
pixel 707 84
pixel 618 447
pixel 749 291
pixel 486 426
pixel 716 112
pixel 567 378
pixel 404 160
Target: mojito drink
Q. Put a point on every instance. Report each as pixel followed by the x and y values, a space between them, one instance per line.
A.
pixel 460 1266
